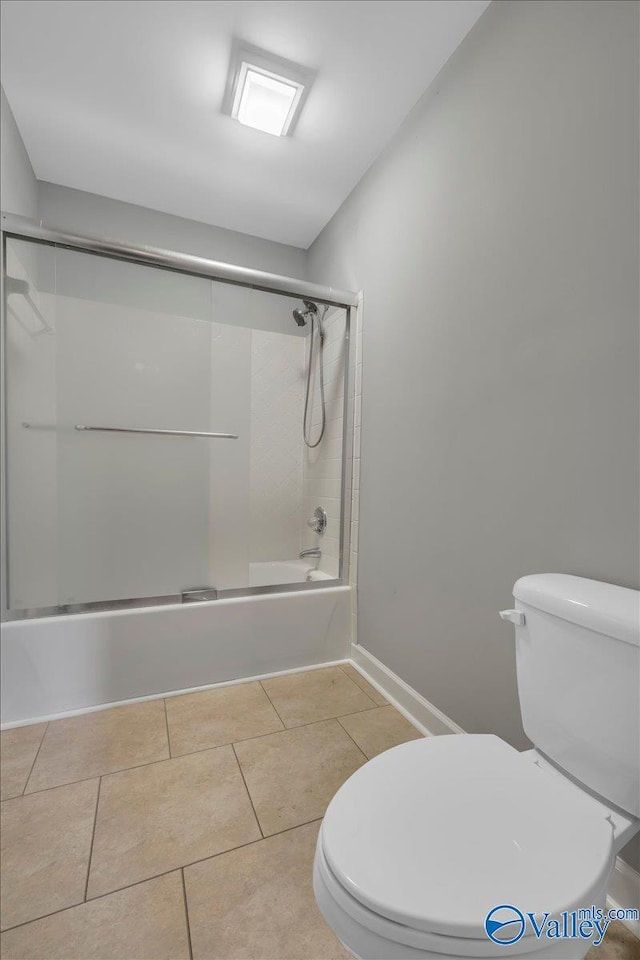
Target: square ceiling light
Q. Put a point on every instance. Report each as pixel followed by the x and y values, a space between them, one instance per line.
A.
pixel 264 91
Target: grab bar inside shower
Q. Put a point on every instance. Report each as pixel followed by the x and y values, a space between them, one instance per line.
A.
pixel 169 433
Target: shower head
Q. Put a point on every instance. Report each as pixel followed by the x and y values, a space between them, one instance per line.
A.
pixel 301 316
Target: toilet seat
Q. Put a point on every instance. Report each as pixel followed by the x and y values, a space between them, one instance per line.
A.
pixel 428 837
pixel 370 935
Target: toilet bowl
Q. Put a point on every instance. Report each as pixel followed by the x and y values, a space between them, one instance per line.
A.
pixel 423 842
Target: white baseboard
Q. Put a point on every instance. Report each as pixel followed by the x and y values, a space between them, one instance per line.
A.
pixel 168 693
pixel 423 715
pixel 624 890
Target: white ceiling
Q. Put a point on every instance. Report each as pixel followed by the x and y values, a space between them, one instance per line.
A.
pixel 122 98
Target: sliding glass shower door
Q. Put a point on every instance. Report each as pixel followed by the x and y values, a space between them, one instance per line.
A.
pixel 96 348
pixel 154 440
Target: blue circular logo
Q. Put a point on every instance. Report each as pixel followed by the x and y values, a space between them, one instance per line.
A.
pixel 505 924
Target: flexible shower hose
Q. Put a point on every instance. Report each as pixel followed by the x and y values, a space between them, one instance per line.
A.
pixel 306 434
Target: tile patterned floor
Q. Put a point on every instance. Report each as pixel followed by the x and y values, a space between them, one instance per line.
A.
pixel 186 828
pixel 19 750
pixel 139 831
pixel 97 743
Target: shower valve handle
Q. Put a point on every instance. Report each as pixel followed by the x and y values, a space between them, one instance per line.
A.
pixel 318 522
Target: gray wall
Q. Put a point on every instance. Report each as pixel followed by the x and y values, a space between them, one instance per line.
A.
pixel 496 243
pixel 19 191
pixel 88 213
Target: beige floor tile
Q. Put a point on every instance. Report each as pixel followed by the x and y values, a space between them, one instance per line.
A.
pixel 18 749
pixel 316 695
pixel 380 729
pixel 215 717
pixel 146 921
pixel 258 902
pixel 293 775
pixel 96 743
pixel 162 816
pixel 618 944
pixel 364 684
pixel 46 841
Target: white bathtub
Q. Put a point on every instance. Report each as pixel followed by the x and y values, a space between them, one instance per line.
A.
pixel 268 572
pixel 55 665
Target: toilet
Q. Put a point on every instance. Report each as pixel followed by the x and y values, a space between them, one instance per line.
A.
pixel 425 840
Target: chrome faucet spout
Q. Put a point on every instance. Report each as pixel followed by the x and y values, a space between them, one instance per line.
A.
pixel 311 552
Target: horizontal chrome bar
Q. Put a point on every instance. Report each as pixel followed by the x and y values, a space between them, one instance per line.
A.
pixel 24 228
pixel 167 433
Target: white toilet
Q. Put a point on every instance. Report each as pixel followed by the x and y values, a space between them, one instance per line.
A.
pixel 421 843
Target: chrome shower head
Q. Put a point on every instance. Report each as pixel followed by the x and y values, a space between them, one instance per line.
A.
pixel 301 316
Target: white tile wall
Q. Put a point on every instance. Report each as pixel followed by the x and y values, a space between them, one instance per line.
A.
pixel 250 499
pixel 323 464
pixel 276 472
pixel 229 473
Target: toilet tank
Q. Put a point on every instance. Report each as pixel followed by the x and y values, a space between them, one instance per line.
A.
pixel 578 666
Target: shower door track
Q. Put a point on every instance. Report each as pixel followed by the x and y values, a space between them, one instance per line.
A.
pixel 16 227
pixel 165 600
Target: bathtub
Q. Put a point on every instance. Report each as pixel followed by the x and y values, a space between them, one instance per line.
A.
pixel 268 572
pixel 67 664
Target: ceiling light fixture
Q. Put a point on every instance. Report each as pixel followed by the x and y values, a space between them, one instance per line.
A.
pixel 264 91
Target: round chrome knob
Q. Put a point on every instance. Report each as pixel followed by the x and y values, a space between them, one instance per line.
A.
pixel 318 521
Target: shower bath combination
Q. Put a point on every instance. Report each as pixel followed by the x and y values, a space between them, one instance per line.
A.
pixel 311 312
pixel 126 492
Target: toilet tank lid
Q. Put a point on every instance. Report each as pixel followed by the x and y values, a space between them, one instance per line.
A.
pixel 603 607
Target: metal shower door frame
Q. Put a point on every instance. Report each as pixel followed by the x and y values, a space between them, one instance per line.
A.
pixel 13 227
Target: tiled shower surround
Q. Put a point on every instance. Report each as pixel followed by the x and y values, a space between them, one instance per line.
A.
pixel 127 345
pixel 277 398
pixel 322 465
pixel 288 478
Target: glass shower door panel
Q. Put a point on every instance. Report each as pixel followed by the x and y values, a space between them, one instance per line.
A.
pixel 31 436
pixel 133 351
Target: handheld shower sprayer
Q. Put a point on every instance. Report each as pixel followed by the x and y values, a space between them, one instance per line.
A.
pixel 311 312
